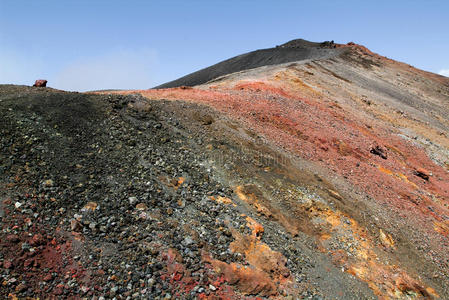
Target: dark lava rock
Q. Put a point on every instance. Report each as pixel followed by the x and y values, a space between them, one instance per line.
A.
pixel 379 151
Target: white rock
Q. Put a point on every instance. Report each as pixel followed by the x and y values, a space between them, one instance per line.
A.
pixel 132 200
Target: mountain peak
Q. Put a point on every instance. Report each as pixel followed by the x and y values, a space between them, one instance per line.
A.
pixel 301 43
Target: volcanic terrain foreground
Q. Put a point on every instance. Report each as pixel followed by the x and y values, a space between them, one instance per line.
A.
pixel 323 175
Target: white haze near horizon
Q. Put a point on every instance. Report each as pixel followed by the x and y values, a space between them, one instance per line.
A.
pixel 444 72
pixel 116 69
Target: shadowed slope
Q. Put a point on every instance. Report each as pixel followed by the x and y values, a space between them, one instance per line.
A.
pixel 295 50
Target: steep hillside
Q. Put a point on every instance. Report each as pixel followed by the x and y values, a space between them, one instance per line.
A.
pixel 319 178
pixel 295 50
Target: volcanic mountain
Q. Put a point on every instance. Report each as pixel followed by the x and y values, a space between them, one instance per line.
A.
pixel 304 171
pixel 296 50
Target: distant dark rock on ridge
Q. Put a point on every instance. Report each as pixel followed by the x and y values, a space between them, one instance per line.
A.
pixel 40 83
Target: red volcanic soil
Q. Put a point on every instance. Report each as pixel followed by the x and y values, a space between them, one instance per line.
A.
pixel 325 134
pixel 39 258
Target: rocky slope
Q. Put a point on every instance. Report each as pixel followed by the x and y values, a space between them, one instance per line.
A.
pixel 322 178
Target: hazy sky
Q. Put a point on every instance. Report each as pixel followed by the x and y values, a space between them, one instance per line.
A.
pixel 86 45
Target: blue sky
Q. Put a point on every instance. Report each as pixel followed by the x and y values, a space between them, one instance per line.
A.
pixel 86 45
